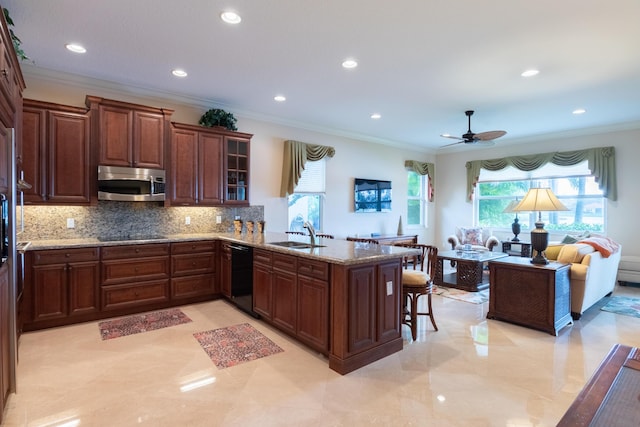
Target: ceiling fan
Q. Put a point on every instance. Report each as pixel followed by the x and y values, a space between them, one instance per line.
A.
pixel 473 138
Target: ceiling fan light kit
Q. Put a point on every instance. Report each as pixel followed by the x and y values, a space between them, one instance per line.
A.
pixel 473 138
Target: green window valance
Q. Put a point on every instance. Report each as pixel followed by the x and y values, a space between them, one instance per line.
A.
pixel 600 161
pixel 423 168
pixel 296 154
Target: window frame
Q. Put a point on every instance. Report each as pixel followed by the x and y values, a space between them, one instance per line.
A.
pixel 421 198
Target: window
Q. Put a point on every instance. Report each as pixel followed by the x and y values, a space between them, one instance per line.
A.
pixel 573 185
pixel 305 204
pixel 416 199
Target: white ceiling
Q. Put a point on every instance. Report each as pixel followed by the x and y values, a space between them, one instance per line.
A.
pixel 422 63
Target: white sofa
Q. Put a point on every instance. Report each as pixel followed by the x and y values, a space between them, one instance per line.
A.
pixel 480 239
pixel 592 275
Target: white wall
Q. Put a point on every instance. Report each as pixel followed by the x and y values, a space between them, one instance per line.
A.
pixel 353 158
pixel 622 214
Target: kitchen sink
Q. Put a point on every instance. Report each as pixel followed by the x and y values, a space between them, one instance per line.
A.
pixel 296 245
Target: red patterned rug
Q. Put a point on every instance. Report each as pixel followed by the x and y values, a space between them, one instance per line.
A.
pixel 141 323
pixel 235 345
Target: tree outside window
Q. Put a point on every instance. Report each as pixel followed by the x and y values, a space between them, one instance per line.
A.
pixel 416 199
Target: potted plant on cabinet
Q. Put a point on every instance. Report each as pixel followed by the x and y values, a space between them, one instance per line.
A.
pixel 218 117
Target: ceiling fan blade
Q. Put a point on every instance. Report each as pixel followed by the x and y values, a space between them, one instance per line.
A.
pixel 449 145
pixel 488 136
pixel 451 137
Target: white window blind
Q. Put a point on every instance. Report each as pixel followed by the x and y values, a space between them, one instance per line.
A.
pixel 313 178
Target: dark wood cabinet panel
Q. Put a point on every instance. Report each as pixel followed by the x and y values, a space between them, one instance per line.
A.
pixel 135 294
pixel 262 289
pixel 193 267
pixel 193 286
pixel 284 282
pixel 83 279
pixel 209 170
pixel 193 247
pixel 50 292
pixel 5 140
pixel 197 263
pixel 5 336
pixel 313 312
pixel 389 295
pixel 130 135
pixel 135 251
pixel 69 158
pixel 56 154
pixel 184 169
pixel 362 307
pixel 134 270
pixel 225 269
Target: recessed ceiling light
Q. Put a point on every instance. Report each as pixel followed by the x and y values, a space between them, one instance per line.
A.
pixel 179 73
pixel 350 63
pixel 230 17
pixel 530 73
pixel 75 48
pixel 376 116
pixel 579 111
pixel 280 98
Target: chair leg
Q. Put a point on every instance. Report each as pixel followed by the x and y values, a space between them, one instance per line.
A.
pixel 414 316
pixel 433 321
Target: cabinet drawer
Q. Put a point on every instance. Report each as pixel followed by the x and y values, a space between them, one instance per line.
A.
pixel 193 247
pixel 128 270
pixel 285 262
pixel 192 286
pixel 129 251
pixel 126 295
pixel 189 264
pixel 312 268
pixel 262 257
pixel 61 256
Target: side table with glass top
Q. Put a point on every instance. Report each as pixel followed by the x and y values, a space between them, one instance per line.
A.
pixel 469 269
pixel 521 249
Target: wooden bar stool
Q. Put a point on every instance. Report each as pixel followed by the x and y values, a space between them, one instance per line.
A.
pixel 417 280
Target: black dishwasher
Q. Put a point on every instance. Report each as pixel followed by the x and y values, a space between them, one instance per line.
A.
pixel 242 277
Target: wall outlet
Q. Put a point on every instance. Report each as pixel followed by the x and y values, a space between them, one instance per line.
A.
pixel 71 223
pixel 187 220
pixel 219 219
pixel 389 288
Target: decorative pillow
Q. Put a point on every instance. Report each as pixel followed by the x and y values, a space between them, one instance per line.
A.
pixel 472 236
pixel 569 239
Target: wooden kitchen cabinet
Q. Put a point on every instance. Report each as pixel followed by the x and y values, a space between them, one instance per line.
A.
pixel 196 166
pixel 236 171
pixel 262 289
pixel 193 268
pixel 130 135
pixel 56 154
pixel 292 293
pixel 64 284
pixel 135 275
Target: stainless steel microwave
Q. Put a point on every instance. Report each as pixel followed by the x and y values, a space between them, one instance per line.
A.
pixel 130 184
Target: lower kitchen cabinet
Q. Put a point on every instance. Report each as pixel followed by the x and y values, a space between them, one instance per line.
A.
pixel 64 284
pixel 292 293
pixel 135 275
pixel 193 268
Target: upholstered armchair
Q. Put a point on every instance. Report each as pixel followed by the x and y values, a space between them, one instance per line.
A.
pixel 479 238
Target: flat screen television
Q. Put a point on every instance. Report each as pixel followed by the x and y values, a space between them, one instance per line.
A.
pixel 372 195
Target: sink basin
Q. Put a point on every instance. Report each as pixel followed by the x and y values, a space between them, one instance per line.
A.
pixel 295 245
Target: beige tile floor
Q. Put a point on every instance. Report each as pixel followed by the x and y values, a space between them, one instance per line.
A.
pixel 473 372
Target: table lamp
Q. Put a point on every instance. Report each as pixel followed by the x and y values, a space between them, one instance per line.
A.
pixel 515 227
pixel 540 199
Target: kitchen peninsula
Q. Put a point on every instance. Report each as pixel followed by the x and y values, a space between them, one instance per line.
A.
pixel 341 298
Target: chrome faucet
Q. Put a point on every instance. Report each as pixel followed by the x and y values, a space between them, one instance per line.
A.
pixel 312 232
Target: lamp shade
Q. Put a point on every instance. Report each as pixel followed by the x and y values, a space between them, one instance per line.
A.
pixel 511 206
pixel 540 199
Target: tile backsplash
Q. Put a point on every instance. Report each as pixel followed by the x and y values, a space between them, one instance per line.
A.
pixel 124 219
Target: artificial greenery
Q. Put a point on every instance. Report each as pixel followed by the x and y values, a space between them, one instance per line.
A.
pixel 218 117
pixel 16 41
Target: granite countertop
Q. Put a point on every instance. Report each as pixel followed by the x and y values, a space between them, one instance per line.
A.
pixel 334 251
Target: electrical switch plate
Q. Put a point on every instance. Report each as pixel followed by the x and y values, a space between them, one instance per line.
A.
pixel 187 220
pixel 219 219
pixel 389 288
pixel 71 223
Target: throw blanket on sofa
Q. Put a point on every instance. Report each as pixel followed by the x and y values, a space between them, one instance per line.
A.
pixel 602 244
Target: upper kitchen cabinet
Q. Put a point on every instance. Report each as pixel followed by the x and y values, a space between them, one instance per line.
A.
pixel 200 161
pixel 236 171
pixel 130 134
pixel 56 153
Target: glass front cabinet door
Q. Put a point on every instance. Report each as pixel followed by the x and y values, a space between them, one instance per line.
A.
pixel 237 173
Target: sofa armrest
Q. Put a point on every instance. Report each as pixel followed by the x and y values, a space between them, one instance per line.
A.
pixel 453 240
pixel 492 242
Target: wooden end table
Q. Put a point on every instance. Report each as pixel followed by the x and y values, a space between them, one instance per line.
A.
pixel 537 296
pixel 469 269
pixel 522 249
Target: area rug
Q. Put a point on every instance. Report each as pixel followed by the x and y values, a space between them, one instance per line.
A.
pixel 623 305
pixel 479 297
pixel 141 323
pixel 236 344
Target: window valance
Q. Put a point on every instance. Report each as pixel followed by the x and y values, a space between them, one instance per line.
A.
pixel 423 168
pixel 296 154
pixel 600 161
